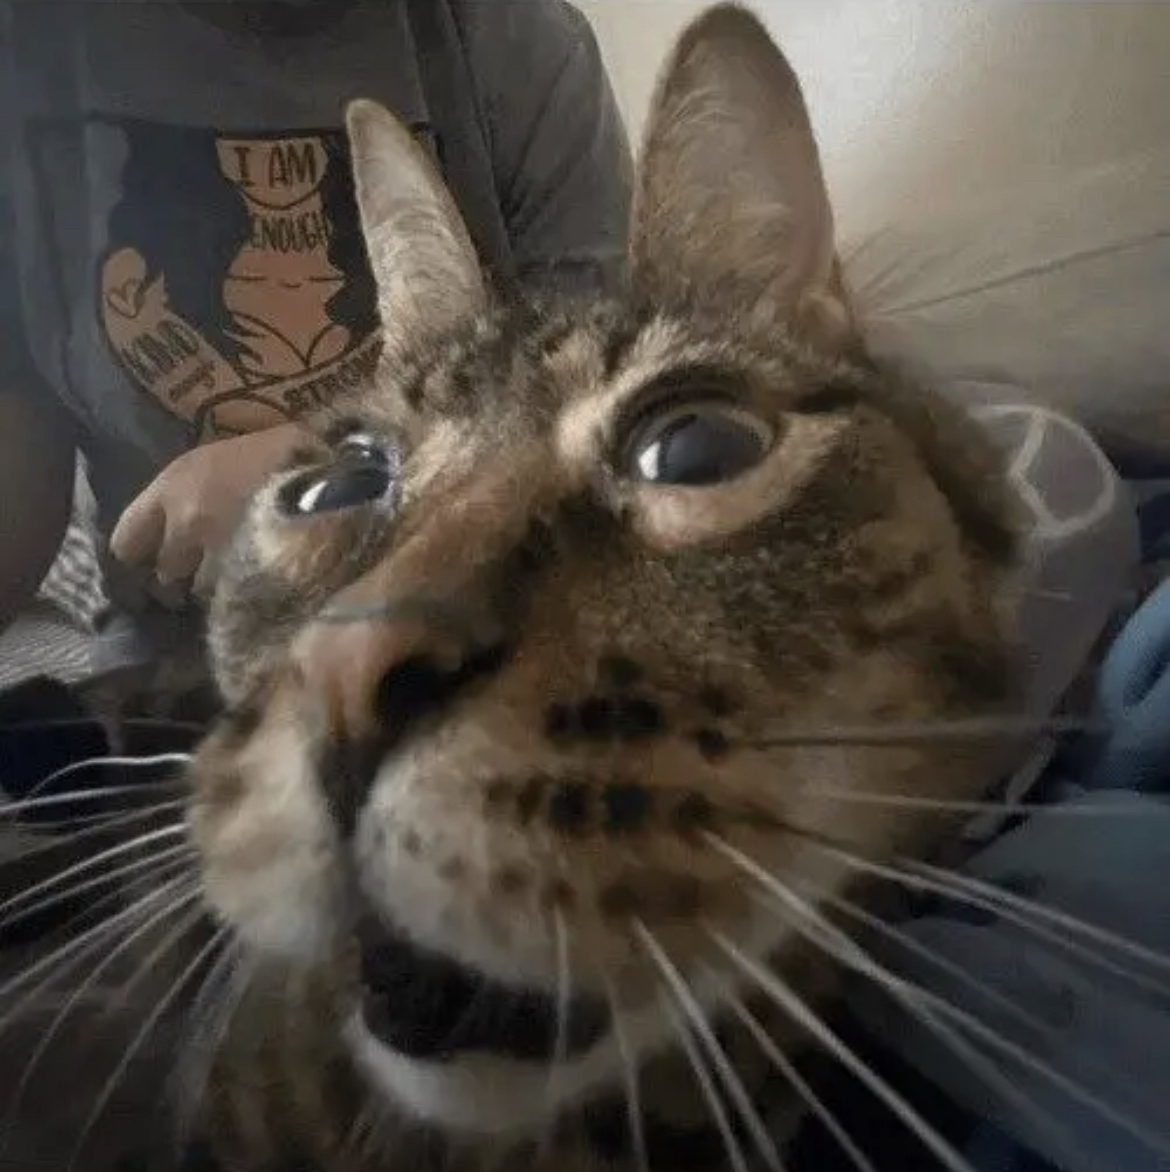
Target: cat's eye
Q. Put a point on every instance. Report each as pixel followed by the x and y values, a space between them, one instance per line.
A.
pixel 696 444
pixel 364 473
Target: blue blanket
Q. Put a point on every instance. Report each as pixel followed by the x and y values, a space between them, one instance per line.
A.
pixel 1080 1080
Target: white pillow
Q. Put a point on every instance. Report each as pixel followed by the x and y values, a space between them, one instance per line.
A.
pixel 1058 292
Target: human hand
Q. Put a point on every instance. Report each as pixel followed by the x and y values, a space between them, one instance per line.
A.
pixel 175 528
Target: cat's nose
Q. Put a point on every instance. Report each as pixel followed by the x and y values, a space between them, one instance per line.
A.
pixel 375 674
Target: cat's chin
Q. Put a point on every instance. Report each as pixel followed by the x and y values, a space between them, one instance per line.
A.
pixel 489 1094
pixel 477 1093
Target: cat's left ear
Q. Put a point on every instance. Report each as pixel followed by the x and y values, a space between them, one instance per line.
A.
pixel 428 275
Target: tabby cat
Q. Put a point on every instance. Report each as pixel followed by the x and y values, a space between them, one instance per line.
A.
pixel 547 675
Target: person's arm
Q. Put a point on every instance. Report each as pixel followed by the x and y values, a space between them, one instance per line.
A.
pixel 561 155
pixel 37 454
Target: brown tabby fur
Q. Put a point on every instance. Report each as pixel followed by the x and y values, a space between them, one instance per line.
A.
pixel 862 572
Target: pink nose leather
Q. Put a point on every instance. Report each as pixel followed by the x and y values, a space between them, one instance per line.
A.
pixel 349 666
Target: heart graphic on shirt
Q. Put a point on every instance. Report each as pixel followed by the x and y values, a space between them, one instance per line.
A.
pixel 128 298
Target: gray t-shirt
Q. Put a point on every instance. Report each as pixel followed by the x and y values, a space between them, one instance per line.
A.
pixel 180 247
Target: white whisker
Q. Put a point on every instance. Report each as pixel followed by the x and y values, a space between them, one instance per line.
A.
pixel 796 1080
pixel 631 1080
pixel 1015 909
pixel 115 874
pixel 83 943
pixel 1018 1054
pixel 1052 595
pixel 735 1156
pixel 75 837
pixel 71 797
pixel 147 966
pixel 812 1023
pixel 973 729
pixel 564 993
pixel 210 1023
pixel 88 864
pixel 70 829
pixel 17 726
pixel 838 945
pixel 79 994
pixel 1007 808
pixel 955 971
pixel 930 1007
pixel 139 1041
pixel 1053 915
pixel 98 762
pixel 564 989
pixel 732 1083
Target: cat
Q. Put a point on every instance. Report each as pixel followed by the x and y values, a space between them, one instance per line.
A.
pixel 547 676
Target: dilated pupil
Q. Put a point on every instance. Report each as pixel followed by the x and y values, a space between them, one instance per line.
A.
pixel 700 449
pixel 357 479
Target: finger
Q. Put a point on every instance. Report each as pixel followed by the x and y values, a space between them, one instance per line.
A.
pixel 205 577
pixel 140 531
pixel 172 597
pixel 178 559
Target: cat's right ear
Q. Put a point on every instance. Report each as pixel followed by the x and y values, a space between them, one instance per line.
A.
pixel 428 275
pixel 730 195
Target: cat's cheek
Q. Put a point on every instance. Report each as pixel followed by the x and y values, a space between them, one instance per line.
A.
pixel 268 850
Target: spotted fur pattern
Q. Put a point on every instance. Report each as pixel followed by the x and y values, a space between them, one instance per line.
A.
pixel 523 706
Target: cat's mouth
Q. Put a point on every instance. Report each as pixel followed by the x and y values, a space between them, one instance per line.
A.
pixel 426 1005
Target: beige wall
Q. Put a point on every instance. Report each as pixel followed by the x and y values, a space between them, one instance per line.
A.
pixel 940 100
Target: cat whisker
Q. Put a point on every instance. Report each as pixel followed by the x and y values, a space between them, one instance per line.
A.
pixel 363 1133
pixel 150 962
pixel 956 972
pixel 19 912
pixel 928 1002
pixel 564 993
pixel 796 1080
pixel 630 1078
pixel 78 995
pixel 150 762
pixel 78 796
pixel 810 923
pixel 697 1023
pixel 813 1024
pixel 1026 914
pixel 930 1008
pixel 182 853
pixel 159 722
pixel 102 829
pixel 84 941
pixel 63 830
pixel 735 1156
pixel 1007 807
pixel 926 732
pixel 210 1023
pixel 63 961
pixel 903 940
pixel 141 1037
pixel 1054 916
pixel 139 841
pixel 1051 595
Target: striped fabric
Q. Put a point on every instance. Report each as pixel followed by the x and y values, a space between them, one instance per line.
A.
pixel 54 636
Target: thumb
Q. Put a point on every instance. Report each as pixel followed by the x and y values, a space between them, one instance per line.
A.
pixel 139 533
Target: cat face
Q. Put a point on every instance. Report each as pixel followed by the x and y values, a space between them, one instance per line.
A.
pixel 550 658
